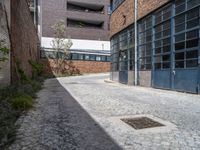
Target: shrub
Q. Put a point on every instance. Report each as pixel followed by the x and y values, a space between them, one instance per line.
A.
pixel 8 117
pixel 22 102
pixel 36 85
pixel 37 68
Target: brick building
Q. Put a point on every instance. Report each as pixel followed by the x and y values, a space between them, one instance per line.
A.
pixel 20 35
pixel 87 24
pixel 168 44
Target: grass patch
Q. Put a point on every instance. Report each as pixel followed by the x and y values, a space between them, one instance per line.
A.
pixel 22 102
pixel 14 100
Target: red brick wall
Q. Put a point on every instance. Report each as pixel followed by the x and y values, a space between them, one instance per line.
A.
pixel 123 16
pixel 24 37
pixel 82 66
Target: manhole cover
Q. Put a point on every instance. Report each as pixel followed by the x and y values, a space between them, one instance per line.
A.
pixel 142 123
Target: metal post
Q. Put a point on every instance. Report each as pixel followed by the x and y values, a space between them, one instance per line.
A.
pixel 136 61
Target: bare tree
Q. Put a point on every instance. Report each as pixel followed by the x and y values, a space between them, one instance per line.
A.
pixel 61 46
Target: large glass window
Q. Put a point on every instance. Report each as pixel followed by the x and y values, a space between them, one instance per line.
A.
pixel 115 4
pixel 186 34
pixel 115 53
pixel 123 60
pixel 145 43
pixel 162 44
pixel 172 38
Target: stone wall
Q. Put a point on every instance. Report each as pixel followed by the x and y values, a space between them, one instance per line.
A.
pixel 123 16
pixel 23 37
pixel 81 66
pixel 4 35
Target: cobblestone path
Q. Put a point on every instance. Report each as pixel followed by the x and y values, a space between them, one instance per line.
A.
pixel 90 120
pixel 58 122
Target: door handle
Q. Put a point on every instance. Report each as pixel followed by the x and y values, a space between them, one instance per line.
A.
pixel 174 72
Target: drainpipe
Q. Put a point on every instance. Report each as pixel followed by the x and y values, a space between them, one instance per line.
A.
pixel 35 9
pixel 136 43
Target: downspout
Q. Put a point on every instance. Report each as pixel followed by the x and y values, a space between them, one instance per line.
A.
pixel 136 43
pixel 35 13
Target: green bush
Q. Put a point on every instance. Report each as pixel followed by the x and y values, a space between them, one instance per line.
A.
pixel 37 68
pixel 8 117
pixel 15 99
pixel 20 72
pixel 36 85
pixel 22 102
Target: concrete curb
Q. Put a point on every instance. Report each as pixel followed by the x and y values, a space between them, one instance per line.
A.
pixel 108 81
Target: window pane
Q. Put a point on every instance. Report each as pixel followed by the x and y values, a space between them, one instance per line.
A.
pixel 92 57
pixel 166 65
pixel 193 34
pixel 158 50
pixel 148 60
pixel 180 37
pixel 179 46
pixel 179 56
pixel 166 41
pixel 158 35
pixel 193 14
pixel 192 43
pixel 180 8
pixel 192 63
pixel 166 57
pixel 158 43
pixel 166 33
pixel 192 54
pixel 166 49
pixel 98 58
pixel 108 58
pixel 158 59
pixel 74 56
pixel 148 66
pixel 103 58
pixel 157 66
pixel 80 56
pixel 193 23
pixel 192 3
pixel 179 64
pixel 87 57
pixel 180 28
pixel 180 19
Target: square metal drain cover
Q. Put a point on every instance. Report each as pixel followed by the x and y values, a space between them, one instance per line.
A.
pixel 142 123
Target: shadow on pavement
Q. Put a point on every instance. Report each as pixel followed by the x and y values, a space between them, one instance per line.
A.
pixel 66 125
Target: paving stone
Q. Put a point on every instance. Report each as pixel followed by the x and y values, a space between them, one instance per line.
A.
pixel 84 121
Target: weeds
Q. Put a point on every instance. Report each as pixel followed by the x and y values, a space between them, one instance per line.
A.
pixel 15 99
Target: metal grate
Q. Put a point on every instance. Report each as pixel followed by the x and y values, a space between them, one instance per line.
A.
pixel 142 123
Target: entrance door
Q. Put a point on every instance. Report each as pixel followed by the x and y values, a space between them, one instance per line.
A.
pixel 185 74
pixel 177 51
pixel 162 71
pixel 123 67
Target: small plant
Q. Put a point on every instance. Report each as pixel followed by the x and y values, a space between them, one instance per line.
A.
pixel 37 68
pixel 60 46
pixel 21 74
pixel 22 102
pixel 4 51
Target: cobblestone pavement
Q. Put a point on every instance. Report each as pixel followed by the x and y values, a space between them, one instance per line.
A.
pixel 58 122
pixel 91 119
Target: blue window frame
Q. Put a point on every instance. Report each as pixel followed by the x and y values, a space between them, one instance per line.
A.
pixel 145 43
pixel 177 22
pixel 187 24
pixel 115 4
pixel 162 44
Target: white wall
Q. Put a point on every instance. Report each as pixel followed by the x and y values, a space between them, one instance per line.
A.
pixel 80 44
